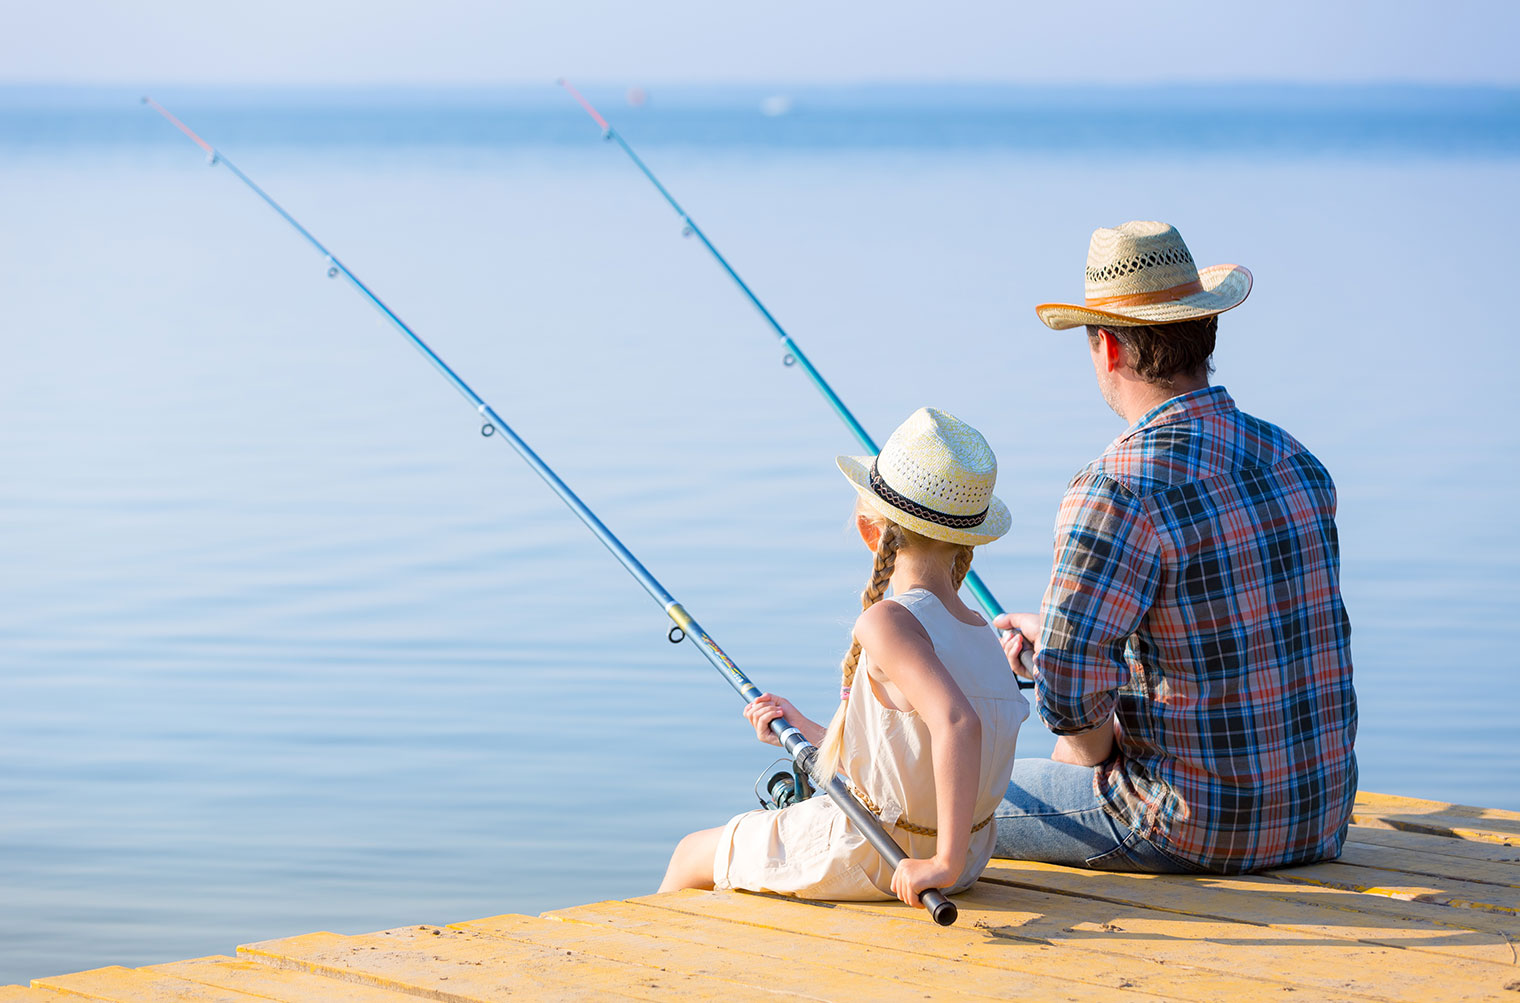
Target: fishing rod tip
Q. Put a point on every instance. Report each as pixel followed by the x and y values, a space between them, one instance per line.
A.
pixel 562 81
pixel 144 99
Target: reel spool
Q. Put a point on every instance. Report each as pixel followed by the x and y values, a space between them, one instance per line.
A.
pixel 782 784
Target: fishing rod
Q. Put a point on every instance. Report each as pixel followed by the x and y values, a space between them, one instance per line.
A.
pixel 793 354
pixel 804 754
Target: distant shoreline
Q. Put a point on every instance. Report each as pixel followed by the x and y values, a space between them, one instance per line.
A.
pixel 1275 119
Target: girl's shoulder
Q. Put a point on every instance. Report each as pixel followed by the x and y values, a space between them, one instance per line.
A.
pixel 914 598
pixel 930 608
pixel 889 622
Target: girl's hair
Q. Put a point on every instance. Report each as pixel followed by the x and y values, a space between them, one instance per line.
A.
pixel 893 538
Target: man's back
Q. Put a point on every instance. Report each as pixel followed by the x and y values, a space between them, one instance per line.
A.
pixel 1196 596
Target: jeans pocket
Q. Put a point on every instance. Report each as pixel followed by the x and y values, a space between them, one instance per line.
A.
pixel 1138 855
pixel 1181 866
pixel 1118 859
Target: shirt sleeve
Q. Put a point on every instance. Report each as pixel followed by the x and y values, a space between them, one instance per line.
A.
pixel 1107 568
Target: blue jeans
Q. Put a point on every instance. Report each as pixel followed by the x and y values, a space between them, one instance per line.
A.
pixel 1051 813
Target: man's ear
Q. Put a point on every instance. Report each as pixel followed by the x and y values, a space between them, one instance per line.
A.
pixel 1110 350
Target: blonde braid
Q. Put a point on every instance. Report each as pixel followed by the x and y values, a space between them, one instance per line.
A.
pixel 962 566
pixel 832 747
pixel 876 589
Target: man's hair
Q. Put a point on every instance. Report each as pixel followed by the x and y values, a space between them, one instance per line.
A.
pixel 1163 352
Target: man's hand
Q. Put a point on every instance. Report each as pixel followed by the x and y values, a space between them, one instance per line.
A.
pixel 1023 629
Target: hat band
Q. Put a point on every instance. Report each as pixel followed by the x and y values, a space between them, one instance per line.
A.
pixel 1146 299
pixel 885 492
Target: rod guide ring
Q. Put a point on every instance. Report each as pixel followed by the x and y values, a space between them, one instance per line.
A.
pixel 488 430
pixel 676 635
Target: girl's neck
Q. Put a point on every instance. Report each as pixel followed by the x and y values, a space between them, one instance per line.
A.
pixel 921 568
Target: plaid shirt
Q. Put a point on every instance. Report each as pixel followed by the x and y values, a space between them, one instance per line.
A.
pixel 1196 596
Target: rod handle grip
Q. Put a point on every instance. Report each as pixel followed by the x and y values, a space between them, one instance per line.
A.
pixel 940 908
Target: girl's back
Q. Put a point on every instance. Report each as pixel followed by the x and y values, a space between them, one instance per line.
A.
pixel 887 751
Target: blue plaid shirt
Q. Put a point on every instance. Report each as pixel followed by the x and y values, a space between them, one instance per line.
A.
pixel 1196 597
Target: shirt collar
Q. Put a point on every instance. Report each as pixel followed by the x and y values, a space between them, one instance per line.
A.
pixel 1185 407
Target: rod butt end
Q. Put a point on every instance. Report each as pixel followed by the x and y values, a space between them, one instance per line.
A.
pixel 940 908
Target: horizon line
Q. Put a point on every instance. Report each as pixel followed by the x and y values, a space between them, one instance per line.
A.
pixel 527 83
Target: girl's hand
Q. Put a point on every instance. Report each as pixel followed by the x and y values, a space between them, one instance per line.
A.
pixel 913 876
pixel 765 709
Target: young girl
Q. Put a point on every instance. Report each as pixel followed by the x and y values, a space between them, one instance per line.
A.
pixel 929 711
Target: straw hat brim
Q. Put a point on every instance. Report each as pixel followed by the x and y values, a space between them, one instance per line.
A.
pixel 858 470
pixel 1225 287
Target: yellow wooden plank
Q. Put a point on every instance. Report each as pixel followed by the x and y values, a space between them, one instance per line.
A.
pixel 1405 886
pixel 899 977
pixel 1184 957
pixel 132 985
pixel 1487 825
pixel 1433 846
pixel 23 994
pixel 267 982
pixel 1375 803
pixel 1329 912
pixel 1440 825
pixel 960 955
pixel 465 967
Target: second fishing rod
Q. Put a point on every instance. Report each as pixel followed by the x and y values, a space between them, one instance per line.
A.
pixel 804 754
pixel 793 353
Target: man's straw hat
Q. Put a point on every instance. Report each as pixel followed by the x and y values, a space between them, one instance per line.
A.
pixel 1142 273
pixel 934 476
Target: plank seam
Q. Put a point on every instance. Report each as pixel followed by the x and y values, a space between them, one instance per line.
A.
pixel 1459 833
pixel 465 927
pixel 338 975
pixel 1427 874
pixel 1392 893
pixel 1502 937
pixel 884 949
pixel 443 996
pixel 222 987
pixel 1002 933
pixel 1367 839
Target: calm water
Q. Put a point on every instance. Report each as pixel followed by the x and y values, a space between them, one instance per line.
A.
pixel 286 645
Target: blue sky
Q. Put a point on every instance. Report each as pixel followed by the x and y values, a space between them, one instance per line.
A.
pixel 472 42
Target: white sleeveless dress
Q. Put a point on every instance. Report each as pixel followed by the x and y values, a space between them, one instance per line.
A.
pixel 813 850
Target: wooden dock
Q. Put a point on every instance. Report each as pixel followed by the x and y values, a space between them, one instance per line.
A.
pixel 1424 905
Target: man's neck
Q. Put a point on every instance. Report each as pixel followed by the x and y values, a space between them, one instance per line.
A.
pixel 1138 398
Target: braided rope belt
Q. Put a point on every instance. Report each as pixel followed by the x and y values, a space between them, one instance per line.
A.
pixel 904 824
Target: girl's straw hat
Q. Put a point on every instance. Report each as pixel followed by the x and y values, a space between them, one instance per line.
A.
pixel 934 477
pixel 1141 273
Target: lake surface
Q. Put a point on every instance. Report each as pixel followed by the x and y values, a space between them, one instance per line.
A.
pixel 287 645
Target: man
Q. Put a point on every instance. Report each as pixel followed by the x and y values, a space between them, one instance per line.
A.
pixel 1192 651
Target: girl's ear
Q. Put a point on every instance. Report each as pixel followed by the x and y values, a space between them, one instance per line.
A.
pixel 869 531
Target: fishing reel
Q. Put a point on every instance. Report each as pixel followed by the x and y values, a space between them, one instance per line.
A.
pixel 782 784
